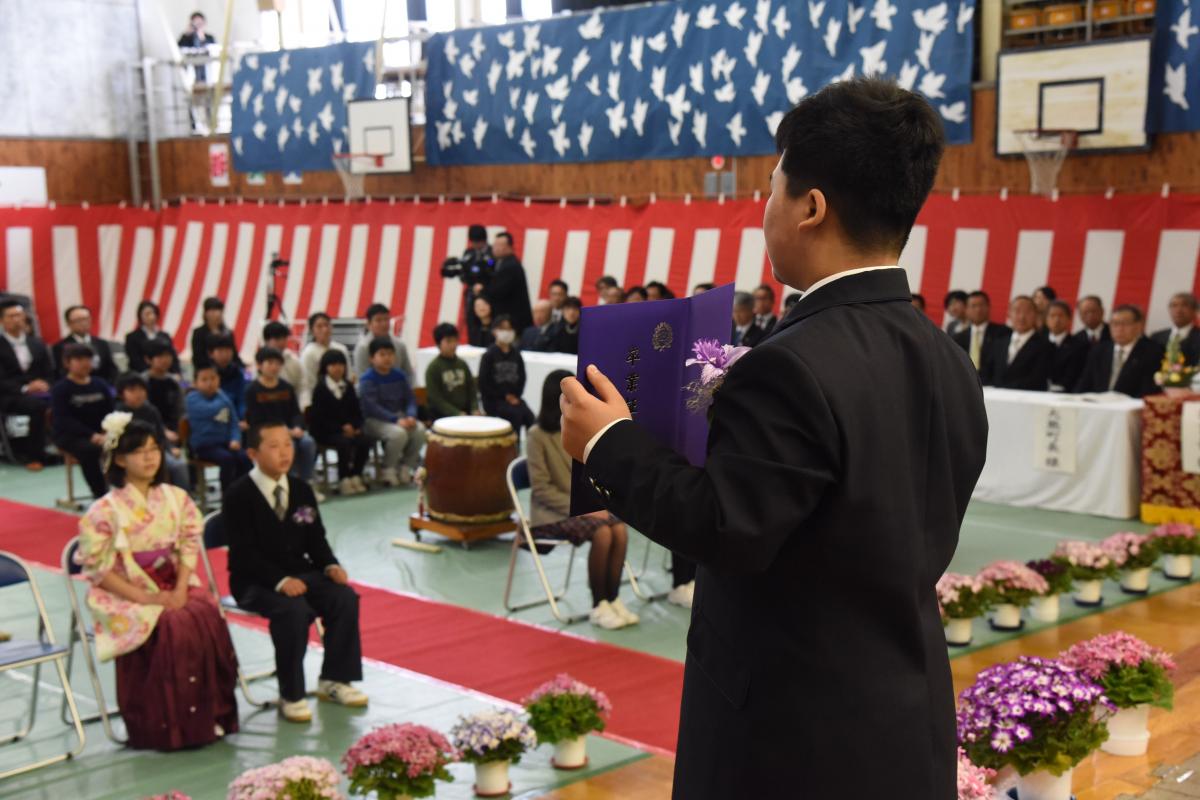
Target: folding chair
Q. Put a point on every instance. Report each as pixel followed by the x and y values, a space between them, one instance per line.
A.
pixel 7 453
pixel 71 502
pixel 19 653
pixel 517 478
pixel 199 466
pixel 82 635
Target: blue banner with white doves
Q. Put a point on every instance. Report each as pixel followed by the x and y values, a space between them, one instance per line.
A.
pixel 688 78
pixel 289 107
pixel 1174 103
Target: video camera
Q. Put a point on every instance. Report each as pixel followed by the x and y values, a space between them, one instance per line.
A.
pixel 474 266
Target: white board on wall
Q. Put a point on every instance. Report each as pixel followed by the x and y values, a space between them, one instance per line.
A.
pixel 23 186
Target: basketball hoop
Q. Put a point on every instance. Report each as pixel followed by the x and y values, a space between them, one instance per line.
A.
pixel 352 168
pixel 1045 151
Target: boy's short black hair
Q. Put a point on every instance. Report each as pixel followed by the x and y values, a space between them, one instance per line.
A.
pixel 268 354
pixel 214 304
pixel 76 350
pixel 375 309
pixel 573 302
pixel 444 331
pixel 381 343
pixel 607 281
pixel 275 330
pixel 220 340
pixel 562 283
pixel 129 380
pixel 951 296
pixel 205 368
pixel 500 320
pixel 254 436
pixel 872 148
pixel 314 317
pixel 155 348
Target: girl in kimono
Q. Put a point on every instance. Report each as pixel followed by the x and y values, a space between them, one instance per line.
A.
pixel 176 667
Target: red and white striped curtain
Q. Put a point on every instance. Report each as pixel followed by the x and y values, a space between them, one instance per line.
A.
pixel 1127 249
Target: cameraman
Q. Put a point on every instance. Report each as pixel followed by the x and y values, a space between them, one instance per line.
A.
pixel 507 291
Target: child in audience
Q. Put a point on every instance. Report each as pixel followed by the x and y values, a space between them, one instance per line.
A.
pixel 276 334
pixel 337 421
pixel 566 338
pixel 390 410
pixel 550 479
pixel 448 379
pixel 163 388
pixel 281 566
pixel 271 399
pixel 216 433
pixel 132 398
pixel 502 377
pixel 79 405
pixel 230 373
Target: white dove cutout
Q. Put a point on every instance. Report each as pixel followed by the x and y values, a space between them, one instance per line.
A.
pixel 754 42
pixel 559 89
pixel 550 60
pixel 679 26
pixel 593 85
pixel 832 32
pixel 762 14
pixel 790 59
pixel 456 131
pixel 556 112
pixel 1175 85
pixel 736 129
pixel 260 130
pixel 872 59
pixel 337 144
pixel 326 117
pixel 700 127
pixel 478 48
pixel 593 28
pixel 471 97
pixel 797 91
pixel 1184 29
pixel 636 43
pixel 314 80
pixel 478 132
pixel 925 48
pixel 966 13
pixel 281 99
pixel 467 64
pixel 515 68
pixel 559 139
pixel 706 17
pixel 854 15
pixel 337 75
pixel 696 77
pixel 585 136
pixel 678 102
pixel 313 133
pixel 443 134
pixel 450 108
pixel 638 117
pixel 258 105
pixel 773 119
pixel 882 13
pixel 281 138
pixel 451 49
pixel 447 89
pixel 615 48
pixel 530 106
pixel 780 22
pixel 297 128
pixel 579 63
pixel 531 34
pixel 535 64
pixel 955 112
pixel 251 61
pixel 726 94
pixel 493 76
pixel 932 19
pixel 614 86
pixel 245 94
pixel 722 65
pixel 294 103
pixel 908 75
pixel 617 121
pixel 762 82
pixel 674 129
pixel 815 10
pixel 369 60
pixel 238 144
pixel 734 14
pixel 931 85
pixel 658 42
pixel 507 39
pixel 514 96
pixel 658 82
pixel 846 75
pixel 510 125
pixel 268 80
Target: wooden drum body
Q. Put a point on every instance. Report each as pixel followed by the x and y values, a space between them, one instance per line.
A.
pixel 466 459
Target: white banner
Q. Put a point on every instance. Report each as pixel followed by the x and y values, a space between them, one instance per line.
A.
pixel 1189 438
pixel 1054 439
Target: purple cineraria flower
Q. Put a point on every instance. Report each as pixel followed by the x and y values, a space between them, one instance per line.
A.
pixel 304 515
pixel 714 360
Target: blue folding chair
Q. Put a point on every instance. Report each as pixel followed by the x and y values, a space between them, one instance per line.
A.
pixel 19 653
pixel 82 635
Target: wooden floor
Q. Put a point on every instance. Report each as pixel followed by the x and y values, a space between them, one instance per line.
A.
pixel 1170 620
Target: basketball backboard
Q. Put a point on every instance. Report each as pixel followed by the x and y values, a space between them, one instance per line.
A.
pixel 1099 89
pixel 380 128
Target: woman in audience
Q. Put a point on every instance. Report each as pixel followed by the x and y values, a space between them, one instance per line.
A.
pixel 336 420
pixel 550 479
pixel 502 377
pixel 147 331
pixel 566 338
pixel 657 290
pixel 320 331
pixel 213 325
pixel 636 294
pixel 481 335
pixel 138 545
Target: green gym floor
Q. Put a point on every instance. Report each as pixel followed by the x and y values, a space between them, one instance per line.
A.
pixel 361 531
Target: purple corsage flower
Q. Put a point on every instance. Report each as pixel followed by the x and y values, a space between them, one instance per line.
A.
pixel 304 515
pixel 714 360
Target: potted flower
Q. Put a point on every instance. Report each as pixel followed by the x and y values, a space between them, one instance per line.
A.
pixel 1057 575
pixel 1013 587
pixel 1089 564
pixel 1177 542
pixel 1174 374
pixel 1134 677
pixel 973 781
pixel 1037 716
pixel 563 712
pixel 961 598
pixel 398 762
pixel 1134 554
pixel 295 778
pixel 492 740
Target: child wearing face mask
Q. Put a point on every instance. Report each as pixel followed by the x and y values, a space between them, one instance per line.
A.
pixel 502 377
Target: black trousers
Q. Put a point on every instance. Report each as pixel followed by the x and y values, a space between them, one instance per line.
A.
pixel 290 618
pixel 88 455
pixel 683 570
pixel 33 446
pixel 519 416
pixel 352 452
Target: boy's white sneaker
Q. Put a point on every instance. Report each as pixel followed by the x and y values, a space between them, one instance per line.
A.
pixel 341 693
pixel 295 711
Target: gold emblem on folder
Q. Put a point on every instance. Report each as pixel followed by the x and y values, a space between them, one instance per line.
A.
pixel 664 337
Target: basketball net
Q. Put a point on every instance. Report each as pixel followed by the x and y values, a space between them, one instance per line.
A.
pixel 350 168
pixel 1045 152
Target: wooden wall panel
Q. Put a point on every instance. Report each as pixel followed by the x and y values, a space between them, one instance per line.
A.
pixel 77 170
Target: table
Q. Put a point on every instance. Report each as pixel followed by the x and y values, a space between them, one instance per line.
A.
pixel 1169 492
pixel 1077 453
pixel 537 367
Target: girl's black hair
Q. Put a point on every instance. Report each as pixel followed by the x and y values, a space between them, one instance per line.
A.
pixel 549 415
pixel 135 436
pixel 332 356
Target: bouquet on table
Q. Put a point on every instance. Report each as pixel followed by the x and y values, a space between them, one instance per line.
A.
pixel 961 598
pixel 295 778
pixel 562 712
pixel 398 761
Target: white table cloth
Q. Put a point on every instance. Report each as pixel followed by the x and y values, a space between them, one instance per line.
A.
pixel 537 367
pixel 1107 453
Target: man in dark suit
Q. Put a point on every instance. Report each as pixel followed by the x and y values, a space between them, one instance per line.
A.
pixel 745 332
pixel 1070 353
pixel 1094 329
pixel 26 376
pixel 1022 359
pixel 507 291
pixel 1129 363
pixel 764 309
pixel 281 566
pixel 79 322
pixel 843 448
pixel 981 334
pixel 1183 328
pixel 536 338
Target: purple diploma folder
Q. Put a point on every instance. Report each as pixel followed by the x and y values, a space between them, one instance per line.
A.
pixel 642 348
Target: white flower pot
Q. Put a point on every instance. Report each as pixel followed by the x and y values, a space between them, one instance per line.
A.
pixel 958 632
pixel 1136 581
pixel 1087 593
pixel 1044 609
pixel 1128 734
pixel 571 753
pixel 491 779
pixel 1177 567
pixel 1041 785
pixel 1006 617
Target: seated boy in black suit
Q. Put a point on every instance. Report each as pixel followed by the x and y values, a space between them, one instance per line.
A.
pixel 280 566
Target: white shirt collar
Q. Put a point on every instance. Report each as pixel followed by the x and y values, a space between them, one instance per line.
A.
pixel 1183 332
pixel 980 328
pixel 838 275
pixel 15 340
pixel 1095 332
pixel 1058 338
pixel 743 328
pixel 267 486
pixel 1118 348
pixel 85 339
pixel 1021 338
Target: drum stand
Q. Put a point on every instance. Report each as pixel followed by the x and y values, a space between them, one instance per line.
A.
pixel 465 534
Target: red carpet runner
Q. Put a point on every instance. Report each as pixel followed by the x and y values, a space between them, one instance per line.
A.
pixel 467 648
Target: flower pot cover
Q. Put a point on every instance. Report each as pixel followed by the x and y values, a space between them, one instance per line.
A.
pixel 1136 581
pixel 1006 617
pixel 491 779
pixel 1041 785
pixel 1127 731
pixel 571 753
pixel 1044 609
pixel 1178 567
pixel 1087 593
pixel 958 632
